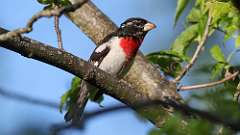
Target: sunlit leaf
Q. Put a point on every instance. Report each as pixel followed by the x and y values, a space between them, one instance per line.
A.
pixel 217 54
pixel 199 3
pixel 194 16
pixel 183 41
pixel 217 70
pixel 219 10
pixel 202 26
pixel 230 31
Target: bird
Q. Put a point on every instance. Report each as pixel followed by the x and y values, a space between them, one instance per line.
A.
pixel 114 55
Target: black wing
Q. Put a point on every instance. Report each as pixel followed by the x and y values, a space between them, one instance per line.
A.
pixel 75 111
pixel 97 57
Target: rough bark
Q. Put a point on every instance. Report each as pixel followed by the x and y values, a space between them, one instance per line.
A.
pixel 59 58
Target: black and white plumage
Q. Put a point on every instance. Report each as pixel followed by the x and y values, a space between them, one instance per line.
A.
pixel 114 56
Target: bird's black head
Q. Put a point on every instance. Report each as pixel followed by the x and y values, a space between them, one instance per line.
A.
pixel 135 27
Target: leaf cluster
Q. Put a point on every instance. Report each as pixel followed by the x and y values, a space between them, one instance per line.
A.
pixel 218 100
pixel 225 18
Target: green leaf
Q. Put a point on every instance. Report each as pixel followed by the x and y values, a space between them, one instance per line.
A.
pixel 70 97
pixel 199 127
pixel 171 127
pixel 237 42
pixel 199 3
pixel 221 64
pixel 225 17
pixel 183 41
pixel 65 2
pixel 219 10
pixel 202 25
pixel 230 31
pixel 45 2
pixel 217 54
pixel 194 16
pixel 181 4
pixel 169 61
pixel 217 70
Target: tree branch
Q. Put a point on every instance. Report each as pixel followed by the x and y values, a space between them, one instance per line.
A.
pixel 142 75
pixel 197 52
pixel 211 84
pixel 185 110
pixel 72 64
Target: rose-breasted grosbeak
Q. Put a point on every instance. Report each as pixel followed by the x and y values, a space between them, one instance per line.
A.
pixel 114 55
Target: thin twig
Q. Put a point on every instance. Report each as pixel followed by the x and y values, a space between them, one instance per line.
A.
pixel 44 13
pixel 211 84
pixel 220 30
pixel 197 52
pixel 27 99
pixel 58 32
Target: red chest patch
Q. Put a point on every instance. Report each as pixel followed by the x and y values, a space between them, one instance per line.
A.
pixel 130 45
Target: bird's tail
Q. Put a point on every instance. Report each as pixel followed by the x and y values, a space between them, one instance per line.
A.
pixel 75 112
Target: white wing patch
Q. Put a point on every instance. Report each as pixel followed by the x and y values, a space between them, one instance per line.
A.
pixel 113 61
pixel 101 48
pixel 96 63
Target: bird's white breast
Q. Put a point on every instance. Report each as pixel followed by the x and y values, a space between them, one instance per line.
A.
pixel 115 59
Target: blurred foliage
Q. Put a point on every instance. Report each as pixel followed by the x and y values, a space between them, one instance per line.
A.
pixel 218 100
pixel 225 18
pixel 175 126
pixel 221 63
pixel 70 97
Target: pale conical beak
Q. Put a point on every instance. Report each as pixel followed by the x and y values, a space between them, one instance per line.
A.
pixel 149 26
